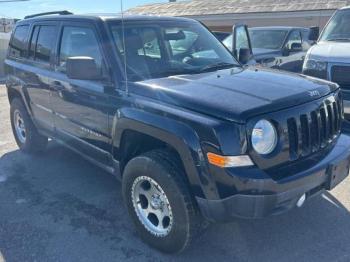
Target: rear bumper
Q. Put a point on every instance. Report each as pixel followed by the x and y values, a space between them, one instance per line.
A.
pixel 286 193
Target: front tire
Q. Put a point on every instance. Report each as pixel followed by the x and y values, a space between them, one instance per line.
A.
pixel 26 135
pixel 158 200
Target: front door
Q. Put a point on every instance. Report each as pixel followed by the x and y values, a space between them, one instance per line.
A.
pixel 294 60
pixel 78 116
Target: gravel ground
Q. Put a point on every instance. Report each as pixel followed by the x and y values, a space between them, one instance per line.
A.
pixel 58 207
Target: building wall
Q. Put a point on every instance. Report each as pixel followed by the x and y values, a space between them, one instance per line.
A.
pixel 303 19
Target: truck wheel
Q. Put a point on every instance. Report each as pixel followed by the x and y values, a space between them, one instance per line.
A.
pixel 158 200
pixel 27 137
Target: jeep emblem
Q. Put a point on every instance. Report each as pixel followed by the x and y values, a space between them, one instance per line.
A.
pixel 314 93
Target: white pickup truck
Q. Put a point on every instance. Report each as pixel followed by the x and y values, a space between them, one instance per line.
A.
pixel 330 57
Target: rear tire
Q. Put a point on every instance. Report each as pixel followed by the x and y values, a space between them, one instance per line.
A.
pixel 26 135
pixel 153 184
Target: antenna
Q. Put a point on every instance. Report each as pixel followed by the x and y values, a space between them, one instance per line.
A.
pixel 124 47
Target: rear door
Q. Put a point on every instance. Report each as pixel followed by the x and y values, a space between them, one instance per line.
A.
pixel 33 67
pixel 79 118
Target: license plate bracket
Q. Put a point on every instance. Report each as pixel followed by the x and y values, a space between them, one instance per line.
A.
pixel 337 173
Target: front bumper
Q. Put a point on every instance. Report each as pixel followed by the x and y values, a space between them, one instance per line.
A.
pixel 325 175
pixel 346 102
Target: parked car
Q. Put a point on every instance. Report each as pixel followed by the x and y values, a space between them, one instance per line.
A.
pixel 330 57
pixel 221 35
pixel 190 133
pixel 280 47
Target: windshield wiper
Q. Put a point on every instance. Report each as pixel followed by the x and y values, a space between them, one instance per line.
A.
pixel 217 66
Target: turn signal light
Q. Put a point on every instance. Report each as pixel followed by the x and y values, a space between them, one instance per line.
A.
pixel 229 161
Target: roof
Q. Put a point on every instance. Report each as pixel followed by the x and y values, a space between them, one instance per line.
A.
pixel 278 28
pixel 211 7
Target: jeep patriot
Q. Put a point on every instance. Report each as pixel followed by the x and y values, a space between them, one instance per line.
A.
pixel 161 104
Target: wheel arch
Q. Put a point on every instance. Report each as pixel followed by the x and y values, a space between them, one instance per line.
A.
pixel 162 132
pixel 16 92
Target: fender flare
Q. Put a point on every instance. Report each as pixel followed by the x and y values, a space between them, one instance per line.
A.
pixel 177 134
pixel 19 89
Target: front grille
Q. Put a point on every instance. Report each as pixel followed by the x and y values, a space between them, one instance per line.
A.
pixel 309 132
pixel 341 75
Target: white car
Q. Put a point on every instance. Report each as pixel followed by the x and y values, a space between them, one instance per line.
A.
pixel 330 57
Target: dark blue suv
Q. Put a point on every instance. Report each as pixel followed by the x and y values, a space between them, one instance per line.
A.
pixel 165 107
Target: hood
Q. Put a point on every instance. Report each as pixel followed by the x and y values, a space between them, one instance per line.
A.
pixel 331 51
pixel 234 94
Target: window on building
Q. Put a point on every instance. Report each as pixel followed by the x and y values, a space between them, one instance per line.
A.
pixel 17 46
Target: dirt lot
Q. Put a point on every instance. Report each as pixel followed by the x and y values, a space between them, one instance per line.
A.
pixel 58 207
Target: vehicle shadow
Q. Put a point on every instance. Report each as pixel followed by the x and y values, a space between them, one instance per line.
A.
pixel 71 208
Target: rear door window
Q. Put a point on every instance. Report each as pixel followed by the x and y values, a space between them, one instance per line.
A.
pixel 33 40
pixel 17 46
pixel 45 43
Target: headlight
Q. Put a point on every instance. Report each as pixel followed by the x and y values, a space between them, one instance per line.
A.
pixel 315 68
pixel 316 65
pixel 264 137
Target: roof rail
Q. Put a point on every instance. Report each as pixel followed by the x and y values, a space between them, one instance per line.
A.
pixel 65 12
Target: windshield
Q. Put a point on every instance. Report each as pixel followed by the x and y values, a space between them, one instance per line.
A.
pixel 165 48
pixel 338 28
pixel 267 39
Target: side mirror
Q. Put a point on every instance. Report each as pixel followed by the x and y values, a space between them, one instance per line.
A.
pixel 314 33
pixel 83 68
pixel 244 55
pixel 296 47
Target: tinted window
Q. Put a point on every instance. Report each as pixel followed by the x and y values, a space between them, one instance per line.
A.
pixel 45 43
pixel 79 41
pixel 17 46
pixel 33 40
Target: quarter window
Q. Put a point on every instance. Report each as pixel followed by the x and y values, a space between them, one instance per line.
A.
pixel 79 41
pixel 17 47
